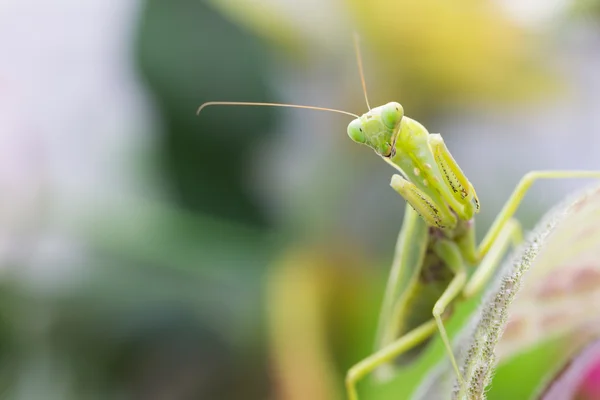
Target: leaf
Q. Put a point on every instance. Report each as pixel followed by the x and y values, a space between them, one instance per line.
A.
pixel 578 378
pixel 555 299
pixel 557 272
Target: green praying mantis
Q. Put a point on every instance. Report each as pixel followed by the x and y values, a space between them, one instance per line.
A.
pixel 436 247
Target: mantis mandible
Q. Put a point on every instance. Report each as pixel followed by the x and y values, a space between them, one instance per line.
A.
pixel 436 245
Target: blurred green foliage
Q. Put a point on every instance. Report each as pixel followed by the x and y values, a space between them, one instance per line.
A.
pixel 205 159
pixel 446 53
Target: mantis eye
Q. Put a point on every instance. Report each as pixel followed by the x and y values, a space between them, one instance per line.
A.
pixel 355 131
pixel 391 114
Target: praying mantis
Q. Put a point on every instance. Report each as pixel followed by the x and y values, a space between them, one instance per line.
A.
pixel 436 247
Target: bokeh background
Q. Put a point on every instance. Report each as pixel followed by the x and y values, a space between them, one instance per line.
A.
pixel 150 253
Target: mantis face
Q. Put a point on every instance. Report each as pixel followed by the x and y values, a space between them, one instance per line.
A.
pixel 378 128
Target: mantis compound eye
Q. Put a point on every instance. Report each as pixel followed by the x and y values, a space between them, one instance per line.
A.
pixel 355 131
pixel 391 114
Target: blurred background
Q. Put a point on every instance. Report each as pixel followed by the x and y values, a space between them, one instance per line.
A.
pixel 150 253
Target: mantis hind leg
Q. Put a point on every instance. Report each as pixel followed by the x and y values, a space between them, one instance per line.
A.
pixel 450 253
pixel 386 355
pixel 517 196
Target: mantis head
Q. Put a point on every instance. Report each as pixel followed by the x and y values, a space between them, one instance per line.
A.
pixel 378 128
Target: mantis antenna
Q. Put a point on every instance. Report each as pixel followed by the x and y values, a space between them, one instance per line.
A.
pixel 245 103
pixel 360 68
